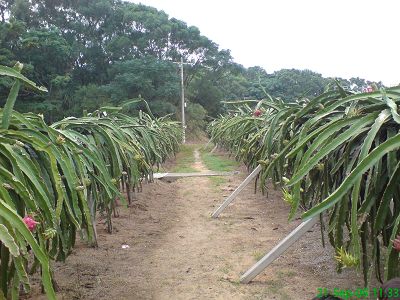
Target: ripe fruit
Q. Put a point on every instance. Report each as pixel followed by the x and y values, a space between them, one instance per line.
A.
pixel 30 223
pixel 257 113
pixel 396 243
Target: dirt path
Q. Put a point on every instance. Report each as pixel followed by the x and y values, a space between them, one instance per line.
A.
pixel 176 251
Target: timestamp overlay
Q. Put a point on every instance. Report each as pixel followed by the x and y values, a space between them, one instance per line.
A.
pixel 359 293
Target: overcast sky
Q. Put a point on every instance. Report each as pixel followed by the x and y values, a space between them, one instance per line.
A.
pixel 343 38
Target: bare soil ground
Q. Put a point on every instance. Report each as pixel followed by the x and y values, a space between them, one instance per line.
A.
pixel 177 251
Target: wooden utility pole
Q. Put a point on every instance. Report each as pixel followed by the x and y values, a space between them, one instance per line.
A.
pixel 181 63
pixel 183 105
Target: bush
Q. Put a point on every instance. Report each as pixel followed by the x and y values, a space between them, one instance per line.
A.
pixel 195 114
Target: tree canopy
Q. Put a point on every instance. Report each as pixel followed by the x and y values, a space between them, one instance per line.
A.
pixel 105 52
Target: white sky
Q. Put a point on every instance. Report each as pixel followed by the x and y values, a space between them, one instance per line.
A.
pixel 343 38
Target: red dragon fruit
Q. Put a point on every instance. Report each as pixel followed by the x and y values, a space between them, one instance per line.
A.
pixel 396 243
pixel 257 113
pixel 30 223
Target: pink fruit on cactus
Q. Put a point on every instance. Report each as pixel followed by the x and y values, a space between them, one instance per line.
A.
pixel 396 243
pixel 257 113
pixel 30 223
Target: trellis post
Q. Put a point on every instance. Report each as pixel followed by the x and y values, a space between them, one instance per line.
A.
pixel 236 192
pixel 283 245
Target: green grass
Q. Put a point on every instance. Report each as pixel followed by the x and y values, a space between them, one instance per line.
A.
pixel 258 255
pixel 226 269
pixel 219 163
pixel 215 162
pixel 183 169
pixel 274 287
pixel 217 181
pixel 185 160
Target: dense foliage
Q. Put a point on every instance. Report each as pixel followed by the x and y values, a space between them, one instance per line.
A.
pixel 335 156
pixel 94 53
pixel 100 55
pixel 54 179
